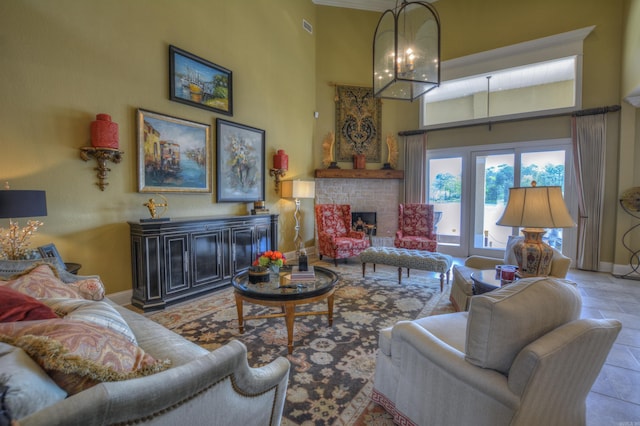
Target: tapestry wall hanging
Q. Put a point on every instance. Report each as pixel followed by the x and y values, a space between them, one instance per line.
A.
pixel 358 123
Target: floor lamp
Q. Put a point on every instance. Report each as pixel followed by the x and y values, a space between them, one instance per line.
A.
pixel 535 208
pixel 298 189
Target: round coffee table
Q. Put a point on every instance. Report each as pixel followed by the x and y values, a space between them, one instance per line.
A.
pixel 282 292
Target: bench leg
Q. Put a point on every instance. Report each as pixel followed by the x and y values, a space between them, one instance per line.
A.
pixel 364 266
pixel 400 275
pixel 407 272
pixel 442 280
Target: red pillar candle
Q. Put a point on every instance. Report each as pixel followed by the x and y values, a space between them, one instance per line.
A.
pixel 281 160
pixel 104 132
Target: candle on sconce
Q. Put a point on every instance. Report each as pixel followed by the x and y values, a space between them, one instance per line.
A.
pixel 104 132
pixel 281 160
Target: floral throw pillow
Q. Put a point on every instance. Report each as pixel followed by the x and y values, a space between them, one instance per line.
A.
pixel 42 281
pixel 78 355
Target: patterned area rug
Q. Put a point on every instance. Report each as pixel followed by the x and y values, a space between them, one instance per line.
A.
pixel 332 368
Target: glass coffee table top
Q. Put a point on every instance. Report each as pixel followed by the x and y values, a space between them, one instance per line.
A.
pixel 283 288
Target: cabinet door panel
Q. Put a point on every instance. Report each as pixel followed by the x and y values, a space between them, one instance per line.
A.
pixel 206 256
pixel 242 248
pixel 177 262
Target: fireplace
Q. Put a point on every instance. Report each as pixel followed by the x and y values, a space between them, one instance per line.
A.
pixel 364 221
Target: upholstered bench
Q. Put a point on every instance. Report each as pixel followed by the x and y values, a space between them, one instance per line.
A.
pixel 407 258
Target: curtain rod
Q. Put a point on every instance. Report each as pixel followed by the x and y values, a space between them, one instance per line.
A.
pixel 591 111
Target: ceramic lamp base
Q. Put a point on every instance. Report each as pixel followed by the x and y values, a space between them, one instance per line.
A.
pixel 533 255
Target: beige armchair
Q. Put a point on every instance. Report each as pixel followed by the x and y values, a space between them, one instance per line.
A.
pixel 462 285
pixel 519 356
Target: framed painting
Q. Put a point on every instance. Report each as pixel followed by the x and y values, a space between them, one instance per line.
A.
pixel 174 155
pixel 50 251
pixel 197 82
pixel 241 165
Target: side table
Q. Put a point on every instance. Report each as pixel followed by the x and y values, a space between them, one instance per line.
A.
pixel 485 281
pixel 73 267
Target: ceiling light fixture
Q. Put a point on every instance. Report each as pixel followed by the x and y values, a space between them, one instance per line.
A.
pixel 406 51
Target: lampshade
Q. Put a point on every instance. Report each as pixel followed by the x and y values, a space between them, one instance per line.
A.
pixel 536 207
pixel 406 52
pixel 298 189
pixel 16 203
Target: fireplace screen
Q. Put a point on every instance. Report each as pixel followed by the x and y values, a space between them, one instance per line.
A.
pixel 364 221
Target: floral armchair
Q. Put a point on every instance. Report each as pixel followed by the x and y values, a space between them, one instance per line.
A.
pixel 336 239
pixel 415 227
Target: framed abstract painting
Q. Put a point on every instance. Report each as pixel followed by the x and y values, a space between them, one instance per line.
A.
pixel 241 167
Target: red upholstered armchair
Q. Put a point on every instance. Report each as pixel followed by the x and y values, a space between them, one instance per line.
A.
pixel 415 227
pixel 336 239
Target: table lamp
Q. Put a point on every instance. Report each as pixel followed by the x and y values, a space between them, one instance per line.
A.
pixel 14 204
pixel 298 189
pixel 535 208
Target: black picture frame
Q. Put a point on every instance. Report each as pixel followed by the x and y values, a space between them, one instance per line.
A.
pixel 197 82
pixel 50 251
pixel 241 164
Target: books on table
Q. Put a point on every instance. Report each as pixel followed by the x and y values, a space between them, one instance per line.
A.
pixel 297 274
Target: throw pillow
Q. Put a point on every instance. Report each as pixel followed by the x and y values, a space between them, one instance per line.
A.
pixel 96 312
pixel 78 355
pixel 42 281
pixel 17 306
pixel 30 389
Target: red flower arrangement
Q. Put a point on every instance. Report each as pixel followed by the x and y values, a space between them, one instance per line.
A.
pixel 270 257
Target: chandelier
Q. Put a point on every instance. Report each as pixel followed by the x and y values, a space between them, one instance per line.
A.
pixel 406 51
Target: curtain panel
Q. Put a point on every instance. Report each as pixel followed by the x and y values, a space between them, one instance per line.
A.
pixel 415 156
pixel 589 142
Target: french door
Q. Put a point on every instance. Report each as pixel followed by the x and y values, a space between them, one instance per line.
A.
pixel 470 189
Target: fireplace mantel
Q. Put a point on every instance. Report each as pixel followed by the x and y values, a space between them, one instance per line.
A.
pixel 360 174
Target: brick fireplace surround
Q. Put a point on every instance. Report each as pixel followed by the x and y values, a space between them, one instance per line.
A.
pixel 366 195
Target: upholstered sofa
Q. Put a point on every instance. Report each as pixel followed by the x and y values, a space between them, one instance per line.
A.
pixel 192 386
pixel 462 284
pixel 520 356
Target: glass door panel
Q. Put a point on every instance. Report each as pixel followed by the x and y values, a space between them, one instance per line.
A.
pixel 445 193
pixel 494 175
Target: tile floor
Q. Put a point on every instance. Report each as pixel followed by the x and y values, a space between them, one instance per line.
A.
pixel 614 399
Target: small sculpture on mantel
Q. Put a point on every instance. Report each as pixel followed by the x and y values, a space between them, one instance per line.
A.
pixel 152 206
pixel 392 157
pixel 327 151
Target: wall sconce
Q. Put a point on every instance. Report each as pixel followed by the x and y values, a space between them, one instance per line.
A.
pixel 298 189
pixel 104 146
pixel 280 167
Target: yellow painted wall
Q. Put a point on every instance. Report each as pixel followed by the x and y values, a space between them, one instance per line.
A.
pixel 64 61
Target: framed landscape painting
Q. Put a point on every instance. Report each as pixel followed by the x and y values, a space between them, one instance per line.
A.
pixel 174 155
pixel 240 162
pixel 197 82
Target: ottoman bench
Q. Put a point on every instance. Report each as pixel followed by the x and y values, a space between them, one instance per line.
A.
pixel 406 258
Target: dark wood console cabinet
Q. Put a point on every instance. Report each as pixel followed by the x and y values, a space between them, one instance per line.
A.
pixel 174 260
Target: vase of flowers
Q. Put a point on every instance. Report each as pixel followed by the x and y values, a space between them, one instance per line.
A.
pixel 272 259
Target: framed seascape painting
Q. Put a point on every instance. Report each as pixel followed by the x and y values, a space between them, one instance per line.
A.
pixel 174 155
pixel 197 82
pixel 240 162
